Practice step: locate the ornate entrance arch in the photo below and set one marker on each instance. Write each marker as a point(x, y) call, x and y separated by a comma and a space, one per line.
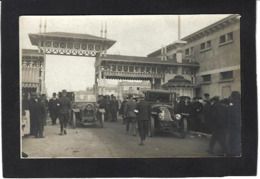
point(107, 66)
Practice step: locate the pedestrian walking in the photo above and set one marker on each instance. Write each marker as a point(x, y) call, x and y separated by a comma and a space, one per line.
point(114, 108)
point(219, 121)
point(53, 108)
point(64, 105)
point(143, 117)
point(234, 127)
point(121, 110)
point(130, 115)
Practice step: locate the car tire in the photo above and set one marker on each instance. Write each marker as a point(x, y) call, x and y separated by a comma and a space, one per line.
point(73, 120)
point(184, 128)
point(151, 127)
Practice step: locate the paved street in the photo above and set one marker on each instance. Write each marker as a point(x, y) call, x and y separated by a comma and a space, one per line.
point(111, 142)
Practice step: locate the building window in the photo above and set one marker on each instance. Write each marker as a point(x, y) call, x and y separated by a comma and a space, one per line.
point(187, 51)
point(208, 44)
point(205, 45)
point(227, 75)
point(120, 68)
point(226, 38)
point(138, 88)
point(202, 46)
point(174, 56)
point(206, 78)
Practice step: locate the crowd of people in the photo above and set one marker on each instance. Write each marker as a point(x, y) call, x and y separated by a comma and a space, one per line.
point(219, 117)
point(35, 108)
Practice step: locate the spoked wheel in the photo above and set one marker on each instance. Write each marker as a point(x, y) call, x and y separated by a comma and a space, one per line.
point(183, 128)
point(73, 120)
point(151, 127)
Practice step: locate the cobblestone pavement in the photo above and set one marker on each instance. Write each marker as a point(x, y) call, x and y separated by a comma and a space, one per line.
point(112, 142)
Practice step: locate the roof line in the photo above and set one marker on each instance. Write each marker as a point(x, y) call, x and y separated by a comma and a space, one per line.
point(201, 30)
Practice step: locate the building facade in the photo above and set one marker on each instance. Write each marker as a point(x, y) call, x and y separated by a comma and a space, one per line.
point(217, 49)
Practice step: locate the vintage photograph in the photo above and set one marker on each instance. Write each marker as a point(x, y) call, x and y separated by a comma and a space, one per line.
point(130, 86)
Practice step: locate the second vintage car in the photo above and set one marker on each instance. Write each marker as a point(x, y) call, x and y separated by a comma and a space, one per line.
point(84, 109)
point(162, 113)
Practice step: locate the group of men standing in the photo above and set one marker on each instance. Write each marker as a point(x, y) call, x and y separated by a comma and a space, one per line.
point(221, 118)
point(140, 112)
point(36, 106)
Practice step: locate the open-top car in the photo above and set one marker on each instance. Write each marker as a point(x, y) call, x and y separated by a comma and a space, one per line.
point(162, 113)
point(84, 109)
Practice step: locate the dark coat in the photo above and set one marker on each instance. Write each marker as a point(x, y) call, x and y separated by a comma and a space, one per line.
point(25, 104)
point(196, 108)
point(114, 105)
point(219, 116)
point(37, 110)
point(177, 107)
point(64, 104)
point(185, 107)
point(53, 107)
point(144, 110)
point(121, 111)
point(129, 109)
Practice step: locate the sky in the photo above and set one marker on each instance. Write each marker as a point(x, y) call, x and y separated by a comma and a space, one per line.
point(137, 35)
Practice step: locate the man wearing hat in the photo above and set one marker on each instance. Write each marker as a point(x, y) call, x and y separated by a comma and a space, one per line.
point(37, 113)
point(53, 108)
point(64, 112)
point(129, 114)
point(143, 117)
point(219, 122)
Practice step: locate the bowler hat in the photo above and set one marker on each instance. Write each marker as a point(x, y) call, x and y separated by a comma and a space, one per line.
point(64, 91)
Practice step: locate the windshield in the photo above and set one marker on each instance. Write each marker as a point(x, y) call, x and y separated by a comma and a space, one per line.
point(85, 97)
point(159, 97)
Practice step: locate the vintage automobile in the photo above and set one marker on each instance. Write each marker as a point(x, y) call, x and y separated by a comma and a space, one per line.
point(162, 113)
point(84, 109)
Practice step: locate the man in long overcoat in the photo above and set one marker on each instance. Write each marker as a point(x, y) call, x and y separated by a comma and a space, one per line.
point(219, 122)
point(64, 111)
point(143, 117)
point(130, 115)
point(42, 114)
point(114, 108)
point(53, 108)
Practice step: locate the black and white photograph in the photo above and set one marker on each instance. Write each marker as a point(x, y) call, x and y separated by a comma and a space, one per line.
point(130, 86)
point(136, 88)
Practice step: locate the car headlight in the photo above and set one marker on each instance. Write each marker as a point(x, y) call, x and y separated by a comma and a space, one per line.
point(178, 116)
